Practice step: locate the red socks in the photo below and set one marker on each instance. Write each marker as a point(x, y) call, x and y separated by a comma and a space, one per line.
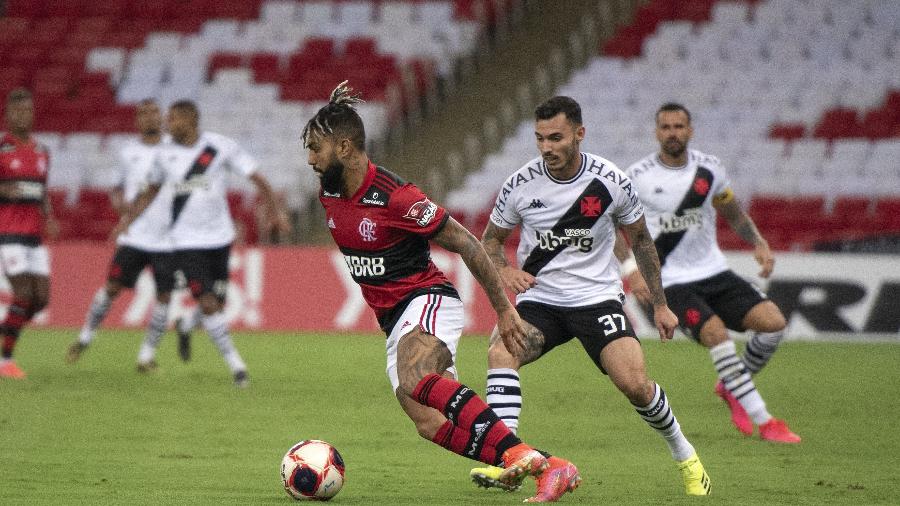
point(472, 429)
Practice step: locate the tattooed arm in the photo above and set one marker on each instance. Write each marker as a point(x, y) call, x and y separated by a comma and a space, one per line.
point(648, 264)
point(454, 237)
point(743, 225)
point(629, 270)
point(494, 241)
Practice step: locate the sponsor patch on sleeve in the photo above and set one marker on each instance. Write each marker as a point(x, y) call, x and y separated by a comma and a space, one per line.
point(422, 212)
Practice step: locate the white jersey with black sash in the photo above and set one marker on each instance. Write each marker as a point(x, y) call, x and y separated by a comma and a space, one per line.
point(678, 203)
point(198, 174)
point(568, 229)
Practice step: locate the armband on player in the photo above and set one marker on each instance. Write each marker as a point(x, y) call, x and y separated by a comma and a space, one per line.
point(724, 197)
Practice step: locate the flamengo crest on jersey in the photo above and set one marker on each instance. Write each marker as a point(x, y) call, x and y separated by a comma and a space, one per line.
point(383, 232)
point(198, 178)
point(568, 229)
point(150, 230)
point(678, 202)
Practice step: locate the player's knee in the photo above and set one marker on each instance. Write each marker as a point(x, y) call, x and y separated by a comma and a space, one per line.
point(499, 357)
point(774, 323)
point(765, 317)
point(638, 390)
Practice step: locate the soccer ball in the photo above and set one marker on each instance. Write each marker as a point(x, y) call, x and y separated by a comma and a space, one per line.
point(312, 470)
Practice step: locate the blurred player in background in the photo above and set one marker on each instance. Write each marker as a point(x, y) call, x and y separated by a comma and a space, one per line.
point(145, 243)
point(196, 166)
point(25, 215)
point(382, 225)
point(682, 190)
point(568, 204)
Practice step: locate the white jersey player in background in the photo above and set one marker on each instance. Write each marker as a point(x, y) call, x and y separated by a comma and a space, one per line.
point(568, 205)
point(196, 165)
point(682, 190)
point(145, 242)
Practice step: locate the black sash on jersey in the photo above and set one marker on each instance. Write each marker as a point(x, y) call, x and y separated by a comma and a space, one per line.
point(199, 167)
point(667, 241)
point(583, 213)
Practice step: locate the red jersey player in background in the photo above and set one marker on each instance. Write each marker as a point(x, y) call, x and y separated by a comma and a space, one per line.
point(382, 225)
point(24, 214)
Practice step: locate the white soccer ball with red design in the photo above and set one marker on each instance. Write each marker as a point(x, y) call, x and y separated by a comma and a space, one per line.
point(312, 470)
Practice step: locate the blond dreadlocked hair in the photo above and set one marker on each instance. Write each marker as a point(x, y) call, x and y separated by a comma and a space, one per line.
point(338, 118)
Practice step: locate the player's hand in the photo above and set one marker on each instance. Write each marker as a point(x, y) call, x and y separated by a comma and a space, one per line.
point(765, 259)
point(665, 321)
point(512, 331)
point(639, 287)
point(516, 280)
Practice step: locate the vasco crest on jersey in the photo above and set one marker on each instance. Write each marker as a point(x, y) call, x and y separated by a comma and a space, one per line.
point(422, 212)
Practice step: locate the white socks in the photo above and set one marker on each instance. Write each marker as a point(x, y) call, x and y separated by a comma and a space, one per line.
point(216, 326)
point(660, 417)
point(736, 378)
point(96, 313)
point(504, 396)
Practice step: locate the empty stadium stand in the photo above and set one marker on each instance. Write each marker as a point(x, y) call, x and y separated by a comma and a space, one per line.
point(799, 98)
point(257, 69)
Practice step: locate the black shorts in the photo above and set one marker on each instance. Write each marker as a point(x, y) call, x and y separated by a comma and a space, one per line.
point(726, 295)
point(128, 262)
point(205, 270)
point(594, 326)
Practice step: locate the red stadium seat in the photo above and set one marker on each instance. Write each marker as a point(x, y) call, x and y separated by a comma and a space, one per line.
point(318, 47)
point(93, 24)
point(223, 61)
point(25, 8)
point(787, 131)
point(266, 67)
point(850, 214)
point(887, 214)
point(838, 123)
point(362, 48)
point(879, 124)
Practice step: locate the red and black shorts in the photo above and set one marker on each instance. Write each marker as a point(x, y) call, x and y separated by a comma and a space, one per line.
point(128, 262)
point(594, 326)
point(205, 270)
point(726, 295)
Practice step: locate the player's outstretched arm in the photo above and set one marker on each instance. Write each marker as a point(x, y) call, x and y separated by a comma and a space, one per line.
point(648, 263)
point(494, 241)
point(743, 225)
point(454, 237)
point(140, 203)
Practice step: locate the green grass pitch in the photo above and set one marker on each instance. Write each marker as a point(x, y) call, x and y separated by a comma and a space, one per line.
point(99, 433)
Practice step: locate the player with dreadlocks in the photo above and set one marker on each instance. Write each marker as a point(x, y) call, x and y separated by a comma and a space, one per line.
point(383, 226)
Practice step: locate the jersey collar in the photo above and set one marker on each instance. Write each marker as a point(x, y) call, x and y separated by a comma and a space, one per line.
point(571, 179)
point(669, 167)
point(366, 182)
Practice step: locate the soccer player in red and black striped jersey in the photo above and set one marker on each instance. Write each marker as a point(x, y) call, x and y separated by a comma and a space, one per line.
point(24, 215)
point(383, 226)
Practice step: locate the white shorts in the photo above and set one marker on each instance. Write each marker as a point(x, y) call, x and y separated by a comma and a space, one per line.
point(438, 315)
point(18, 259)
